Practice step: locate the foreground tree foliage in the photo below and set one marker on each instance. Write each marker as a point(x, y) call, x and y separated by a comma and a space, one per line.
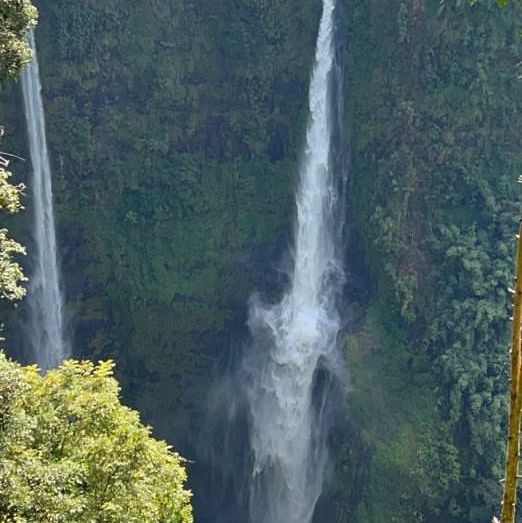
point(72, 452)
point(11, 275)
point(16, 18)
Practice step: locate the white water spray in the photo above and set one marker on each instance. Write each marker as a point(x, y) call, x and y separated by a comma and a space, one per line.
point(46, 328)
point(290, 452)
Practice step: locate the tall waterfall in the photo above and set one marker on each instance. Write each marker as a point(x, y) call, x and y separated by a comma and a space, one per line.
point(46, 325)
point(299, 334)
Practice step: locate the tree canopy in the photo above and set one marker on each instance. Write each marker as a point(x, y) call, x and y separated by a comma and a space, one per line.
point(72, 452)
point(16, 18)
point(11, 275)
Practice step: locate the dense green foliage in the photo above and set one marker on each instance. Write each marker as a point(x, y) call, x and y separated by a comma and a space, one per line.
point(16, 17)
point(174, 130)
point(69, 450)
point(11, 275)
point(437, 150)
point(411, 467)
point(72, 452)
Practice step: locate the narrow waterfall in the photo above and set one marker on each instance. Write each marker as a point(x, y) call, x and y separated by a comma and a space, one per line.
point(46, 325)
point(298, 335)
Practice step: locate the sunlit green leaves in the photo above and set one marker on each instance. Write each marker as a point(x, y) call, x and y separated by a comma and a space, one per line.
point(11, 274)
point(72, 452)
point(16, 17)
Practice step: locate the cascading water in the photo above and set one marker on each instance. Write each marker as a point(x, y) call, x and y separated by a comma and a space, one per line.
point(46, 325)
point(300, 333)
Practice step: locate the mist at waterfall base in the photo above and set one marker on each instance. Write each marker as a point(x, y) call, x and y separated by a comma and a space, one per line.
point(44, 329)
point(273, 413)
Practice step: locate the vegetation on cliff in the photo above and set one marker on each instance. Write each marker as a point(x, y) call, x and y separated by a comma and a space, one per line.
point(436, 147)
point(69, 451)
point(175, 130)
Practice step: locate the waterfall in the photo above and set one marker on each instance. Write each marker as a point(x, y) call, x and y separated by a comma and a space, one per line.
point(45, 306)
point(295, 337)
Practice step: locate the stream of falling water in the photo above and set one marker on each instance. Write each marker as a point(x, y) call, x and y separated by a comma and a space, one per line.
point(45, 304)
point(289, 448)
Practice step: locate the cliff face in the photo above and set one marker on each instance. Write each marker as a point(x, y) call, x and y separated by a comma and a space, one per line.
point(175, 130)
point(436, 152)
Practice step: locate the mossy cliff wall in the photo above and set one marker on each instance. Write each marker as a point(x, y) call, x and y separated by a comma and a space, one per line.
point(434, 103)
point(175, 129)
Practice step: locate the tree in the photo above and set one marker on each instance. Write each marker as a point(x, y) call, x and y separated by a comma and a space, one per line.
point(16, 18)
point(11, 275)
point(72, 452)
point(69, 450)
